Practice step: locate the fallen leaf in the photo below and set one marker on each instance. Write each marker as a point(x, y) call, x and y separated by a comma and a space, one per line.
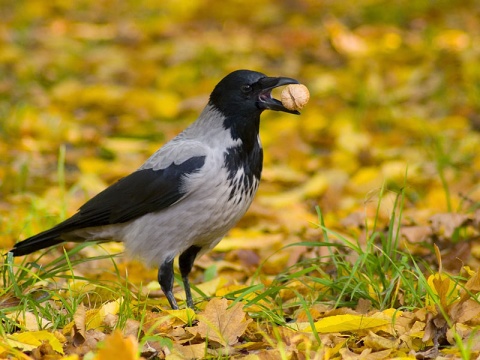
point(444, 287)
point(95, 318)
point(363, 306)
point(27, 341)
point(92, 338)
point(220, 323)
point(30, 321)
point(194, 351)
point(366, 354)
point(155, 323)
point(119, 348)
point(186, 315)
point(8, 301)
point(341, 323)
point(79, 325)
point(416, 234)
point(45, 351)
point(449, 222)
point(376, 342)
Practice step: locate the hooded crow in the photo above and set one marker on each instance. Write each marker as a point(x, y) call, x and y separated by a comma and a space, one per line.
point(188, 194)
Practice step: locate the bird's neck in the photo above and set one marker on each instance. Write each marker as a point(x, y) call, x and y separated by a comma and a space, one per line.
point(244, 129)
point(214, 127)
point(248, 153)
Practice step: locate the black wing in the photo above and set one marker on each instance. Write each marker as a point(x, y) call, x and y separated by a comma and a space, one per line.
point(137, 194)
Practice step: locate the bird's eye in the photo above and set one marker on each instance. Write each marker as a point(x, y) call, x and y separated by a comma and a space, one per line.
point(246, 89)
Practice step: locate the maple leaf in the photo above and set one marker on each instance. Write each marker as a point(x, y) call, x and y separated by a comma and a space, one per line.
point(221, 324)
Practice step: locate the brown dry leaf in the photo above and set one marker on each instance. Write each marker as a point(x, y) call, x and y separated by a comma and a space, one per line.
point(8, 300)
point(195, 351)
point(272, 354)
point(376, 342)
point(220, 324)
point(473, 284)
point(45, 352)
point(79, 330)
point(156, 323)
point(413, 335)
point(467, 333)
point(130, 328)
point(110, 321)
point(454, 257)
point(315, 311)
point(416, 234)
point(449, 222)
point(464, 311)
point(363, 306)
point(435, 329)
point(180, 335)
point(366, 354)
point(91, 340)
point(293, 340)
point(119, 348)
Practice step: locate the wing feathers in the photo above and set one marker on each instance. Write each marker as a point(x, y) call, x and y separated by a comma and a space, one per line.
point(137, 194)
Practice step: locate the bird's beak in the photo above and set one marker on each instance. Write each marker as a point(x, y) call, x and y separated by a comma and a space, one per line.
point(265, 100)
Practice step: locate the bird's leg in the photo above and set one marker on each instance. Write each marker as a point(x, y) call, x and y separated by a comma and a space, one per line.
point(185, 262)
point(165, 279)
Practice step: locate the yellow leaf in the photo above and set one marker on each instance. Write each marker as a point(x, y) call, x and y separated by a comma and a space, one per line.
point(316, 185)
point(366, 179)
point(453, 40)
point(94, 318)
point(185, 315)
point(9, 349)
point(340, 323)
point(397, 170)
point(28, 341)
point(79, 287)
point(92, 165)
point(119, 348)
point(353, 141)
point(444, 287)
point(231, 288)
point(248, 239)
point(208, 288)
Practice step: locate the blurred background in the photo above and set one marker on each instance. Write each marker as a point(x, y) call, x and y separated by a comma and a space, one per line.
point(89, 89)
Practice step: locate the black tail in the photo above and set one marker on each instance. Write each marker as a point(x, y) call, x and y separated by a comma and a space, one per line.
point(40, 241)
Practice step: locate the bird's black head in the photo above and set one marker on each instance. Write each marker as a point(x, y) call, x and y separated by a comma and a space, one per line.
point(248, 93)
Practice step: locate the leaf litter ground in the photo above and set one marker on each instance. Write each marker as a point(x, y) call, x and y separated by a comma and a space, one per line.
point(387, 148)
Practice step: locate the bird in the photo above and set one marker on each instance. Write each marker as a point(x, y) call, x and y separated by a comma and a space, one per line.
point(186, 196)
